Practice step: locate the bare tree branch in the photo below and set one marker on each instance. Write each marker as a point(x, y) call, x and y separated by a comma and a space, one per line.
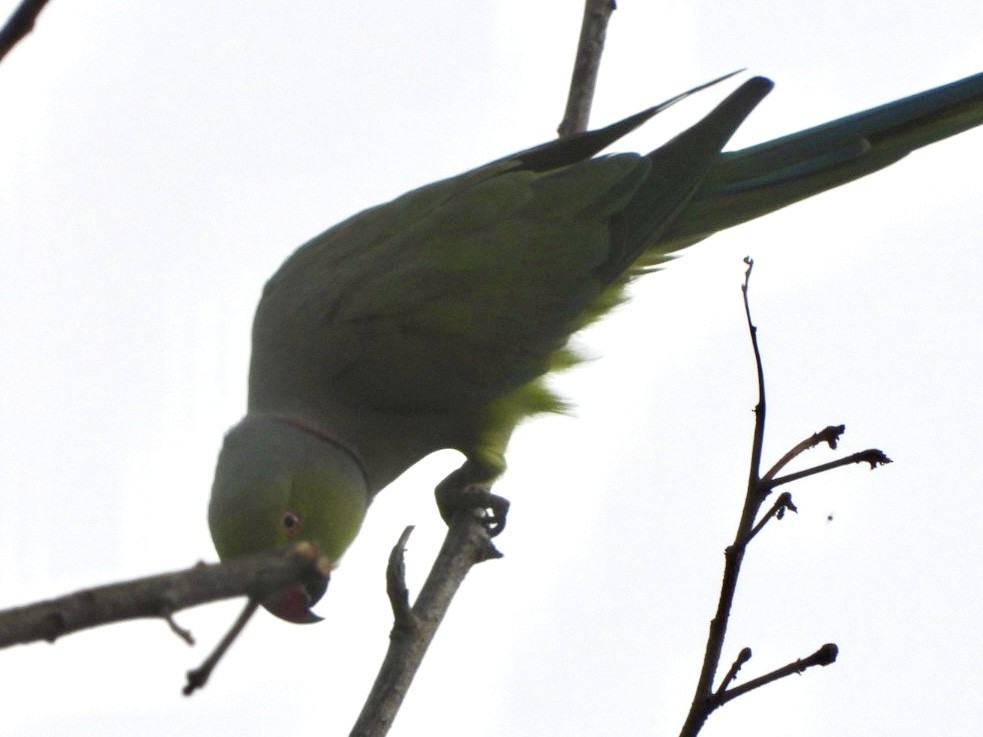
point(702, 704)
point(783, 502)
point(705, 700)
point(20, 23)
point(585, 66)
point(872, 456)
point(466, 544)
point(256, 576)
point(823, 656)
point(198, 677)
point(829, 435)
point(742, 657)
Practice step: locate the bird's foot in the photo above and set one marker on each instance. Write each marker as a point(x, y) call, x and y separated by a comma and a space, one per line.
point(455, 494)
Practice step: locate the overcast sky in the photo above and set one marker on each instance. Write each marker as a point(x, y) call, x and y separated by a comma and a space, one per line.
point(159, 160)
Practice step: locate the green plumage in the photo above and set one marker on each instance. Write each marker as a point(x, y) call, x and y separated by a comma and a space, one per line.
point(432, 321)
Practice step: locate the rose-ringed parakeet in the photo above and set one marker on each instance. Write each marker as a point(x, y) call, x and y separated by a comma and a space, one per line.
point(431, 321)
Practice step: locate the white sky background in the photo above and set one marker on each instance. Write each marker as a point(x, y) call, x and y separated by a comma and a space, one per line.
point(160, 160)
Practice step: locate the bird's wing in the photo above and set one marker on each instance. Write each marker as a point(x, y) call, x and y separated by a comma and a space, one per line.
point(464, 290)
point(448, 296)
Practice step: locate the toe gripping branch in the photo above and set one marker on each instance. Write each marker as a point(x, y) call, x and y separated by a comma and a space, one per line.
point(457, 493)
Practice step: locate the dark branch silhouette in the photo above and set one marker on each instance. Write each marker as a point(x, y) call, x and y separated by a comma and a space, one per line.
point(705, 699)
point(198, 677)
point(20, 23)
point(466, 544)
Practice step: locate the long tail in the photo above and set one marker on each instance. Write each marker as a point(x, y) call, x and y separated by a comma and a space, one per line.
point(742, 185)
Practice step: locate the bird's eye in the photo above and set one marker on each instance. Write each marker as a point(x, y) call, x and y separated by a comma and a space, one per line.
point(290, 523)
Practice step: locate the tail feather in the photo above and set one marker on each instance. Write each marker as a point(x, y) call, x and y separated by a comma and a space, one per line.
point(746, 184)
point(676, 170)
point(580, 146)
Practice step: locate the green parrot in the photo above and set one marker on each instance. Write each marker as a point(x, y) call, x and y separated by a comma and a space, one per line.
point(432, 321)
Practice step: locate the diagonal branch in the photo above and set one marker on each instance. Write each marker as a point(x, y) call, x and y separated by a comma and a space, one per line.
point(586, 65)
point(20, 23)
point(466, 544)
point(783, 502)
point(198, 677)
point(829, 435)
point(823, 656)
point(872, 456)
point(742, 657)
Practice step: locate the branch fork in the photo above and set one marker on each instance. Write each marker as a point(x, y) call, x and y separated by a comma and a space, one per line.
point(759, 487)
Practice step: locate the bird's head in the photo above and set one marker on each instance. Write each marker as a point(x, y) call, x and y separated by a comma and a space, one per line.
point(279, 481)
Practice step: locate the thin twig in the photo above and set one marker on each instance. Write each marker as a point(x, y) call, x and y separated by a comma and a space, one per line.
point(705, 701)
point(399, 595)
point(872, 456)
point(181, 632)
point(829, 435)
point(760, 409)
point(703, 704)
point(735, 668)
point(783, 502)
point(20, 23)
point(580, 98)
point(823, 656)
point(198, 677)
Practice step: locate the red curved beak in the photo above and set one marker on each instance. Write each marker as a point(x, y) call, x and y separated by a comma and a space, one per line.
point(294, 604)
